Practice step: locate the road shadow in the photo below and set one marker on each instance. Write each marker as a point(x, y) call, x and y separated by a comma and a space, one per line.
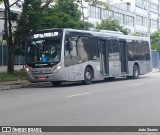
point(79, 84)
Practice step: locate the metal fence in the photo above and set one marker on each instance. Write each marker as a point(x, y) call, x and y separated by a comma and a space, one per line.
point(18, 59)
point(155, 59)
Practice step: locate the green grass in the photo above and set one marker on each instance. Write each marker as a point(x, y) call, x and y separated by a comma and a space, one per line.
point(5, 77)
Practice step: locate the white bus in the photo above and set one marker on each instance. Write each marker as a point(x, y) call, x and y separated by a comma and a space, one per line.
point(59, 55)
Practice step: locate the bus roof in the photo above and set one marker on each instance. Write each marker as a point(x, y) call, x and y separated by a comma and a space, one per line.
point(102, 33)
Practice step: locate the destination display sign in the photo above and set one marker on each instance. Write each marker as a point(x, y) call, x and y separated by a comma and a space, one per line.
point(43, 35)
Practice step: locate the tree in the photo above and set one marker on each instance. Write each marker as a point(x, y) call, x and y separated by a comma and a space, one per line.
point(111, 24)
point(65, 14)
point(32, 18)
point(137, 34)
point(155, 40)
point(99, 2)
point(26, 23)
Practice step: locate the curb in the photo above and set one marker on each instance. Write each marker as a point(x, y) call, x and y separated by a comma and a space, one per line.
point(10, 87)
point(31, 85)
point(14, 87)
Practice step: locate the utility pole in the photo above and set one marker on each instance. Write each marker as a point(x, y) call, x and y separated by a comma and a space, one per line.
point(81, 4)
point(148, 24)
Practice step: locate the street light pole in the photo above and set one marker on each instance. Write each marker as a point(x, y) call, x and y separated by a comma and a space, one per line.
point(148, 19)
point(83, 15)
point(80, 1)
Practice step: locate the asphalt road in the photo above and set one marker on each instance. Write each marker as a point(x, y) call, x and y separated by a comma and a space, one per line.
point(120, 102)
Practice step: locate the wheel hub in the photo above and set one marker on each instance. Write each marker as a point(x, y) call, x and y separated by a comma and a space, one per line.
point(88, 75)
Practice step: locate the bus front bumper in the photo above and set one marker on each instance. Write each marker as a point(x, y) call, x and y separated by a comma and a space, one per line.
point(42, 78)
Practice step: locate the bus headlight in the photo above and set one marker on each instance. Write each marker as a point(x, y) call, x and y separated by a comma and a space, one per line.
point(58, 68)
point(27, 69)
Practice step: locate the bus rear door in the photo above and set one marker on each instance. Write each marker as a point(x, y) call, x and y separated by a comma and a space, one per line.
point(114, 57)
point(103, 54)
point(123, 56)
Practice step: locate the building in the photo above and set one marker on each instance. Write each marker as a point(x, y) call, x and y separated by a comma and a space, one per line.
point(14, 9)
point(133, 14)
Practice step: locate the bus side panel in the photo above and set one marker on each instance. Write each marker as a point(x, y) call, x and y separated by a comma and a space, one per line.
point(130, 67)
point(114, 67)
point(76, 72)
point(144, 67)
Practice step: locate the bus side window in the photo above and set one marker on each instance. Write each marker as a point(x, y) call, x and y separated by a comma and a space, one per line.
point(93, 48)
point(146, 50)
point(82, 44)
point(70, 47)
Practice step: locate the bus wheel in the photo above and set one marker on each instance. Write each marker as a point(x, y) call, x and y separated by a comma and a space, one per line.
point(135, 72)
point(88, 76)
point(56, 83)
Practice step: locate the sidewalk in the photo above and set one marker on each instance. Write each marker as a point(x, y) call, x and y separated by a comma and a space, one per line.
point(26, 84)
point(21, 84)
point(154, 70)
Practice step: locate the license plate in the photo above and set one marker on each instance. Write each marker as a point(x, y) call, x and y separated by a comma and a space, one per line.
point(42, 78)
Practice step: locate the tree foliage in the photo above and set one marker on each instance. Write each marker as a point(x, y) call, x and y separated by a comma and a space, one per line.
point(155, 41)
point(36, 15)
point(136, 34)
point(30, 19)
point(27, 22)
point(98, 2)
point(65, 14)
point(111, 24)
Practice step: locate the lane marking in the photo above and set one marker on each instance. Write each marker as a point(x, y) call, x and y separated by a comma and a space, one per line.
point(135, 85)
point(78, 95)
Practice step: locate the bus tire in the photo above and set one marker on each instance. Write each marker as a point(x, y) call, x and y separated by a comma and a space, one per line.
point(56, 83)
point(88, 76)
point(135, 72)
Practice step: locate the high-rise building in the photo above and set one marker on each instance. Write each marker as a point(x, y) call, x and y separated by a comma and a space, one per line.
point(132, 14)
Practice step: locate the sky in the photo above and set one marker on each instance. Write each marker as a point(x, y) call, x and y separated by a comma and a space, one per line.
point(15, 8)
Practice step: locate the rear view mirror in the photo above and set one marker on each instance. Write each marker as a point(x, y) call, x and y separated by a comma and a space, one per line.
point(28, 50)
point(69, 46)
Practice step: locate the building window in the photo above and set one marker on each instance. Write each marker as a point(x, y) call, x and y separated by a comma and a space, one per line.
point(154, 24)
point(106, 13)
point(128, 7)
point(145, 3)
point(153, 6)
point(145, 21)
point(95, 12)
point(129, 20)
point(140, 1)
point(1, 14)
point(139, 20)
point(123, 6)
point(119, 17)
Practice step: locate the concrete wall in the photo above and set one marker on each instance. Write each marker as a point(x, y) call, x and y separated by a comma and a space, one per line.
point(16, 68)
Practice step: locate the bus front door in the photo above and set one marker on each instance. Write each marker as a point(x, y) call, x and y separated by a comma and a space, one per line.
point(103, 54)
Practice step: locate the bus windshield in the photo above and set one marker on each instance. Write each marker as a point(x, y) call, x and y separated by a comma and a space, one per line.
point(44, 50)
